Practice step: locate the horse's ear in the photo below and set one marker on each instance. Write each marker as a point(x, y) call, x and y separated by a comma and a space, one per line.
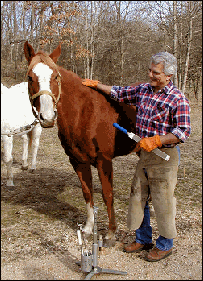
point(28, 51)
point(56, 53)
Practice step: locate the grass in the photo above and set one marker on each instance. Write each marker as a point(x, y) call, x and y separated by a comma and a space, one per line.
point(55, 190)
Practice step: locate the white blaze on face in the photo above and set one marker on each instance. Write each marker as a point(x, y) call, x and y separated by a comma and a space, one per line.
point(43, 72)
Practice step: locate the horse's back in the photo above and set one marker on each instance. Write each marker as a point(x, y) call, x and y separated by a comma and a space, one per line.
point(82, 117)
point(4, 89)
point(16, 109)
point(86, 118)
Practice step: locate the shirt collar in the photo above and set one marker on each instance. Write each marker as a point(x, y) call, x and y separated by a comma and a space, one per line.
point(166, 89)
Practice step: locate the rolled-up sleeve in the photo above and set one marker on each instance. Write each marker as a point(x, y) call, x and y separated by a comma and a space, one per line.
point(181, 118)
point(122, 94)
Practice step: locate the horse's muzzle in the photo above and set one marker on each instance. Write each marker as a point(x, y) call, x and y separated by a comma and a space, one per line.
point(47, 123)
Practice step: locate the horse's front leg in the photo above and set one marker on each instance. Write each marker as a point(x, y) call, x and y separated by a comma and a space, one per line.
point(25, 152)
point(105, 171)
point(85, 175)
point(8, 159)
point(35, 138)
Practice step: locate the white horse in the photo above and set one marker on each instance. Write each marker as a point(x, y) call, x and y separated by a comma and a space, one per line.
point(17, 119)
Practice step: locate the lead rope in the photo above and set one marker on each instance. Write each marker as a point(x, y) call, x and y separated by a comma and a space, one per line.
point(22, 130)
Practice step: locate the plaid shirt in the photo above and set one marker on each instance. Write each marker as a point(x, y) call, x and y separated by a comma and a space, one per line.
point(166, 111)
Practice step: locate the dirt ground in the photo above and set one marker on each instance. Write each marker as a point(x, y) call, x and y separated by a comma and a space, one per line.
point(40, 217)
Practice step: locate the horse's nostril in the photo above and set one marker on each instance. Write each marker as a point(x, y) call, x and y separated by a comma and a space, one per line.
point(41, 117)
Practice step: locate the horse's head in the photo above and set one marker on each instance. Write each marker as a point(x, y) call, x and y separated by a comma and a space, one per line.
point(44, 84)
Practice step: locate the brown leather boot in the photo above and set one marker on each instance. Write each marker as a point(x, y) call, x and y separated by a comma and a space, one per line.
point(157, 255)
point(136, 247)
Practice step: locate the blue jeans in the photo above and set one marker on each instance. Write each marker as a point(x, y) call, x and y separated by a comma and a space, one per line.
point(178, 149)
point(144, 233)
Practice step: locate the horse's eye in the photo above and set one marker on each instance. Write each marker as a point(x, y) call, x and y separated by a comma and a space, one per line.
point(29, 78)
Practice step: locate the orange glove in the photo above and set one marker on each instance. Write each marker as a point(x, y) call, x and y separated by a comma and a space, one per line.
point(90, 83)
point(149, 144)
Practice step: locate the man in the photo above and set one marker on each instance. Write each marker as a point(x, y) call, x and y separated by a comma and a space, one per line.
point(162, 120)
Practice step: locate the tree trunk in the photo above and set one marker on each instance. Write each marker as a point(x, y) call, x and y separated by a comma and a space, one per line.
point(15, 39)
point(188, 52)
point(93, 13)
point(180, 48)
point(175, 36)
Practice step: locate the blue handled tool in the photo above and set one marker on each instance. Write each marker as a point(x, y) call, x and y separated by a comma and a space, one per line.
point(136, 138)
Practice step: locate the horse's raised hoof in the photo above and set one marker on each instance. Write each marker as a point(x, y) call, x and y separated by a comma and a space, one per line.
point(108, 243)
point(87, 230)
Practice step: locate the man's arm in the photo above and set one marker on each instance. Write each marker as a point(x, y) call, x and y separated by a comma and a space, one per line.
point(95, 84)
point(151, 143)
point(120, 94)
point(104, 88)
point(169, 138)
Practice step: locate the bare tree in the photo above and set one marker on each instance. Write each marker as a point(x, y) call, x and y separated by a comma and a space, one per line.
point(107, 40)
point(190, 10)
point(175, 37)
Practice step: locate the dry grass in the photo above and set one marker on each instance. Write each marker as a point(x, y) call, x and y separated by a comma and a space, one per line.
point(39, 217)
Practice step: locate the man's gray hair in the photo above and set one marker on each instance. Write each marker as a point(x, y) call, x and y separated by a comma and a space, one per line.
point(168, 60)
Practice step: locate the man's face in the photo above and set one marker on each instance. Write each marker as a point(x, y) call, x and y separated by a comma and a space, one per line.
point(158, 78)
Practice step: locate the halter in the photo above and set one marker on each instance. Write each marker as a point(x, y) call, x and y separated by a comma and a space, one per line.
point(43, 92)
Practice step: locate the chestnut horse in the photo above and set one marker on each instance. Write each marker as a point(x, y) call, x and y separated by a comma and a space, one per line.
point(85, 125)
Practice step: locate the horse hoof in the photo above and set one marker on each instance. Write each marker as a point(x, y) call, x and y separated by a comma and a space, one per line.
point(9, 184)
point(10, 187)
point(87, 230)
point(108, 243)
point(32, 170)
point(24, 168)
